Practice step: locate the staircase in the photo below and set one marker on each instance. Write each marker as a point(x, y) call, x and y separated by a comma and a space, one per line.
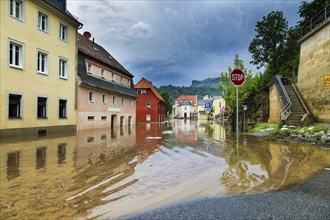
point(297, 109)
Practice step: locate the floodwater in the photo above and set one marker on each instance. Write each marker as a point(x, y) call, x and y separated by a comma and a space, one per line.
point(98, 174)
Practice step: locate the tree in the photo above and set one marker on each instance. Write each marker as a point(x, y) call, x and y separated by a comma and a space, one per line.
point(267, 46)
point(168, 101)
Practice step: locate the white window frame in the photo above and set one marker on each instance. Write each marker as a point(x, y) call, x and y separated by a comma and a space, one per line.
point(142, 91)
point(148, 117)
point(12, 55)
point(148, 105)
point(102, 73)
point(91, 97)
point(114, 101)
point(63, 32)
point(122, 102)
point(89, 67)
point(104, 99)
point(63, 70)
point(66, 109)
point(13, 9)
point(44, 64)
point(43, 25)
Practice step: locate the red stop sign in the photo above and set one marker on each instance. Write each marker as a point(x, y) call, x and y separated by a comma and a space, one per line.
point(237, 77)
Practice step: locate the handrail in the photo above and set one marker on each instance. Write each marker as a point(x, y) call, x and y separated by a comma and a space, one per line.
point(315, 20)
point(285, 112)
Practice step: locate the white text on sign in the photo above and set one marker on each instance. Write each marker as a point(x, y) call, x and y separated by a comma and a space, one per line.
point(237, 77)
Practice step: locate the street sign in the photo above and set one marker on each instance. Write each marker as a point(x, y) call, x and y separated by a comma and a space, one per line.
point(244, 107)
point(223, 110)
point(237, 77)
point(208, 105)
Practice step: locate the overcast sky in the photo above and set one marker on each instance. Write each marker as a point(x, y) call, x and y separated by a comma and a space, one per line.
point(175, 42)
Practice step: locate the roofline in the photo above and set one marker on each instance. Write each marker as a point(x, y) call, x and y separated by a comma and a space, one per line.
point(86, 85)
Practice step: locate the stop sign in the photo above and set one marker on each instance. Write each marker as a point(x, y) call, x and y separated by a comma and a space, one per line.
point(237, 77)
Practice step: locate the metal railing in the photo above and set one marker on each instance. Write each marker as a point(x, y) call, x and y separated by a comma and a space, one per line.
point(278, 82)
point(315, 21)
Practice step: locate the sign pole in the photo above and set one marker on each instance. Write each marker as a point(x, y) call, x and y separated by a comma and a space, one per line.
point(237, 111)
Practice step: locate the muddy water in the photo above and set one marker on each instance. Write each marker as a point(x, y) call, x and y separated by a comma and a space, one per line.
point(103, 173)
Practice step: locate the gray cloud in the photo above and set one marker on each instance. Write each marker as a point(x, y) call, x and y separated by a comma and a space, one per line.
point(176, 42)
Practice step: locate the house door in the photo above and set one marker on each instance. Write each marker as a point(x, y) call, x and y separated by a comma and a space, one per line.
point(113, 125)
point(185, 115)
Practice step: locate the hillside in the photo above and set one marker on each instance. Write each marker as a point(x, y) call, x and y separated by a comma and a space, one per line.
point(208, 86)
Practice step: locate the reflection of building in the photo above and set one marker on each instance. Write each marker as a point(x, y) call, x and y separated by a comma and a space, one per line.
point(38, 67)
point(105, 92)
point(186, 130)
point(147, 139)
point(185, 106)
point(150, 106)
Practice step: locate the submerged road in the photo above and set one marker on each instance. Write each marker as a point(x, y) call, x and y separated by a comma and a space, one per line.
point(309, 200)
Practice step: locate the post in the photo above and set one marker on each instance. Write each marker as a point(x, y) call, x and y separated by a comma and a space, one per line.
point(237, 111)
point(244, 120)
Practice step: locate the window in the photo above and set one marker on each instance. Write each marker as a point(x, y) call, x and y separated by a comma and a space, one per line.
point(122, 102)
point(63, 69)
point(103, 118)
point(114, 101)
point(130, 103)
point(63, 32)
point(42, 107)
point(89, 69)
point(15, 106)
point(16, 9)
point(62, 108)
point(148, 105)
point(121, 80)
point(104, 99)
point(102, 73)
point(113, 77)
point(129, 121)
point(42, 65)
point(43, 22)
point(15, 54)
point(90, 118)
point(91, 97)
point(148, 117)
point(142, 91)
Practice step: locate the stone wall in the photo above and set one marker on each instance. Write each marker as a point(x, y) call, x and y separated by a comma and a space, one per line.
point(275, 106)
point(314, 64)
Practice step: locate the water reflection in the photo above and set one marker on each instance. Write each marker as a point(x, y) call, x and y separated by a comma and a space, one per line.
point(97, 174)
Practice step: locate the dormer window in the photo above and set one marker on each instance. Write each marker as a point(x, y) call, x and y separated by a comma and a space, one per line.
point(142, 91)
point(89, 69)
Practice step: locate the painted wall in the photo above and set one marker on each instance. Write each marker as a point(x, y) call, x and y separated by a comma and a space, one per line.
point(26, 81)
point(217, 105)
point(314, 64)
point(142, 111)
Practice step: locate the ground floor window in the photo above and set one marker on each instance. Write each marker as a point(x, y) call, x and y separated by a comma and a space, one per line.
point(148, 118)
point(62, 108)
point(42, 107)
point(15, 106)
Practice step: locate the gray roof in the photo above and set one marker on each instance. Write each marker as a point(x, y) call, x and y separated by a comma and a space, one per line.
point(99, 83)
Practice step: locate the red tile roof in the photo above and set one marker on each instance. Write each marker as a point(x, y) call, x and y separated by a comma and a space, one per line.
point(193, 98)
point(146, 84)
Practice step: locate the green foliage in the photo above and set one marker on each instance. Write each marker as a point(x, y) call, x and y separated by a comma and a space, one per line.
point(169, 101)
point(265, 126)
point(244, 92)
point(268, 44)
point(309, 9)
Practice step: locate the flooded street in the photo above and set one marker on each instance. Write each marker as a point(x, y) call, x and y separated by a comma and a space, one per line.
point(110, 173)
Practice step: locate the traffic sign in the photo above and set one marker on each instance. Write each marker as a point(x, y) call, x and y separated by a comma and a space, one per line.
point(237, 77)
point(207, 105)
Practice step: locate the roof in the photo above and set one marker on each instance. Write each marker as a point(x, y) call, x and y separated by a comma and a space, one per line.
point(146, 84)
point(99, 83)
point(97, 52)
point(193, 98)
point(204, 101)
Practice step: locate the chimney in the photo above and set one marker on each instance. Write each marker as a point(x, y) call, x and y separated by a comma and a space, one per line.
point(87, 34)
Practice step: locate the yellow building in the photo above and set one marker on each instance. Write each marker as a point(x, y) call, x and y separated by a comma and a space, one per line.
point(38, 67)
point(218, 104)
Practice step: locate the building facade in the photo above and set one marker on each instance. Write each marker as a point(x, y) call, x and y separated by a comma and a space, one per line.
point(105, 90)
point(150, 106)
point(38, 67)
point(186, 107)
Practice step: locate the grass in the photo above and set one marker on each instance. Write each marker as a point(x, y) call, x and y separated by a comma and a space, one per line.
point(265, 127)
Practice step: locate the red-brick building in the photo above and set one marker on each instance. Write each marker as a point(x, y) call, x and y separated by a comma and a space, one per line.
point(150, 106)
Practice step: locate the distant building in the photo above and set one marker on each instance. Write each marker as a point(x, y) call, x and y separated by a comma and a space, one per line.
point(38, 67)
point(204, 107)
point(150, 106)
point(105, 91)
point(185, 107)
point(218, 104)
